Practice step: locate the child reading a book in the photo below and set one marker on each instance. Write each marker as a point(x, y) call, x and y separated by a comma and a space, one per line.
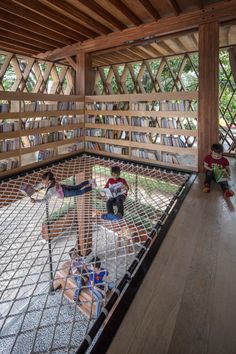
point(53, 188)
point(217, 168)
point(116, 190)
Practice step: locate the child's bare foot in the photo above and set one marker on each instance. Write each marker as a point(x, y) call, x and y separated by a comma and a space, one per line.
point(228, 193)
point(206, 189)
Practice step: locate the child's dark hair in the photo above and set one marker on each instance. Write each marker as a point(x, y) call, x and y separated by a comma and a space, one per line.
point(50, 177)
point(218, 148)
point(115, 169)
point(96, 261)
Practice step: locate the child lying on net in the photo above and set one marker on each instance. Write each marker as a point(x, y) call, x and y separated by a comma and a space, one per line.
point(53, 188)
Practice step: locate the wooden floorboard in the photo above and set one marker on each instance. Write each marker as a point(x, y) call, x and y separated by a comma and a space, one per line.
point(187, 302)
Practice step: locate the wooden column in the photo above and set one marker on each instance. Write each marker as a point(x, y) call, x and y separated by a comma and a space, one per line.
point(85, 74)
point(208, 88)
point(84, 86)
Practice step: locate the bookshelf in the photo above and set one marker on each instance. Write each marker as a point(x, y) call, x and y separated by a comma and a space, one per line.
point(38, 128)
point(157, 128)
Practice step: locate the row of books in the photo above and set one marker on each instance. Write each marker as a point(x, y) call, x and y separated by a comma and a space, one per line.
point(38, 139)
point(9, 145)
point(114, 149)
point(101, 106)
point(60, 106)
point(145, 154)
point(109, 134)
point(142, 137)
point(75, 147)
point(45, 154)
point(173, 141)
point(9, 126)
point(169, 158)
point(50, 122)
point(181, 105)
point(8, 164)
point(114, 120)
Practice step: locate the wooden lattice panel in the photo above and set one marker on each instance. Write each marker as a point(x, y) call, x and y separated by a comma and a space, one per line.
point(25, 74)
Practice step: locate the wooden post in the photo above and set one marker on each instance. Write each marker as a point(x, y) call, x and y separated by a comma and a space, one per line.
point(85, 76)
point(208, 89)
point(84, 215)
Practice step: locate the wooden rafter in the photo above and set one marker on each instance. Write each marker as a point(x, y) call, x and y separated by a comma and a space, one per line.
point(29, 15)
point(40, 9)
point(175, 6)
point(166, 26)
point(107, 16)
point(28, 35)
point(20, 22)
point(125, 10)
point(14, 37)
point(150, 9)
point(80, 15)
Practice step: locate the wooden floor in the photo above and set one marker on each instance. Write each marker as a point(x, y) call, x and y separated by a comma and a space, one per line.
point(187, 302)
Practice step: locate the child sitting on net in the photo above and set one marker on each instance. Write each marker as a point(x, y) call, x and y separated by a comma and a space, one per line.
point(98, 283)
point(80, 272)
point(118, 190)
point(217, 168)
point(53, 188)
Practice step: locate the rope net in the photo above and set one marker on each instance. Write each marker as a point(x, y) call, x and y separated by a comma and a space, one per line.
point(49, 250)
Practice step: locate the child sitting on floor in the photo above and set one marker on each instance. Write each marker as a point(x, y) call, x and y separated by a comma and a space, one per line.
point(98, 283)
point(53, 188)
point(213, 164)
point(80, 272)
point(119, 189)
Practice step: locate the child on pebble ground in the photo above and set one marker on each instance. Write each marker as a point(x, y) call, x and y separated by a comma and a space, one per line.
point(53, 188)
point(213, 161)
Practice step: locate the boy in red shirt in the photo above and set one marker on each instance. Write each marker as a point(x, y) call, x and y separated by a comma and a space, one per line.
point(119, 189)
point(216, 160)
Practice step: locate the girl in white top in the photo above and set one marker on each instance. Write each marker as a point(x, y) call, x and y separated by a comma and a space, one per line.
point(53, 188)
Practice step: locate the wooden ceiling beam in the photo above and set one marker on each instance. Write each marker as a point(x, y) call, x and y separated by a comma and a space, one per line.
point(18, 45)
point(15, 49)
point(125, 10)
point(80, 15)
point(107, 16)
point(72, 63)
point(11, 28)
point(45, 11)
point(150, 9)
point(175, 6)
point(19, 38)
point(34, 28)
point(29, 15)
point(21, 44)
point(166, 26)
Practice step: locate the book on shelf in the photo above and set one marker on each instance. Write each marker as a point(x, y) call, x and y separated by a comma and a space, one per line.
point(169, 158)
point(45, 154)
point(9, 126)
point(9, 145)
point(146, 154)
point(8, 164)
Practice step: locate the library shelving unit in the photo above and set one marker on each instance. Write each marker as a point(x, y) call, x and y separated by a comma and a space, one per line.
point(38, 128)
point(156, 128)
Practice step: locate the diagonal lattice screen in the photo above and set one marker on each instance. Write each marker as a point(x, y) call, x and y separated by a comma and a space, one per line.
point(37, 310)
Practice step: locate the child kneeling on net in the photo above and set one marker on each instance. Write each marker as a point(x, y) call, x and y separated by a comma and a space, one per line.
point(217, 168)
point(98, 283)
point(53, 188)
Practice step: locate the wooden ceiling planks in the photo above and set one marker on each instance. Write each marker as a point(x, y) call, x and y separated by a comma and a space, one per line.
point(67, 8)
point(46, 12)
point(46, 25)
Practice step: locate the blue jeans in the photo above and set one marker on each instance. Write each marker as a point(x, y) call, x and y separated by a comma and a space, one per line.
point(79, 283)
point(72, 191)
point(98, 297)
point(209, 177)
